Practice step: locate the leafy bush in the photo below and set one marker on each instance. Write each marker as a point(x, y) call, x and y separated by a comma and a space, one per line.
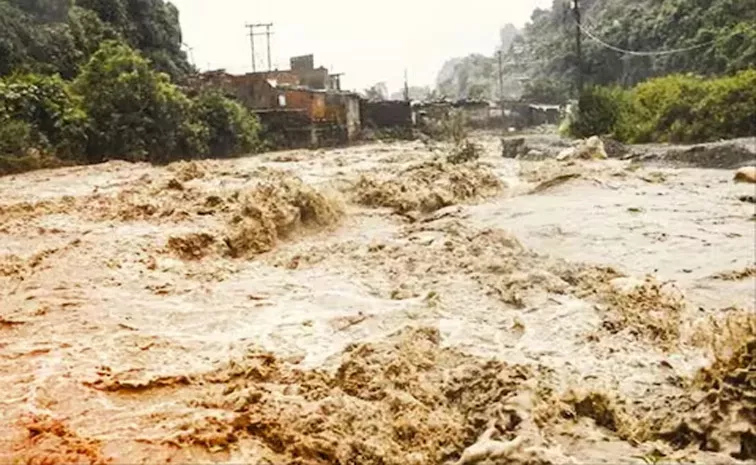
point(118, 107)
point(666, 106)
point(232, 129)
point(17, 152)
point(678, 108)
point(15, 137)
point(52, 112)
point(136, 113)
point(118, 104)
point(602, 111)
point(548, 91)
point(727, 110)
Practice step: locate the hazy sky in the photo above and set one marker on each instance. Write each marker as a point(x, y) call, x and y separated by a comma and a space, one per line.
point(368, 43)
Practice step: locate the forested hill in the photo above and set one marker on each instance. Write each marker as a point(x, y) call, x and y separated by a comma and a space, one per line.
point(724, 32)
point(58, 36)
point(474, 76)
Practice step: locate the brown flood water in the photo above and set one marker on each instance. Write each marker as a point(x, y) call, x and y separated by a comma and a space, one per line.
point(377, 305)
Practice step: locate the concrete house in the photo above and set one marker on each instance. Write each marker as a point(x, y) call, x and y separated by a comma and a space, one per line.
point(303, 106)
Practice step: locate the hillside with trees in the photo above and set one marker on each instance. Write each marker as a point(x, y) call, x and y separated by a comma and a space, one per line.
point(719, 35)
point(706, 37)
point(59, 36)
point(475, 76)
point(88, 80)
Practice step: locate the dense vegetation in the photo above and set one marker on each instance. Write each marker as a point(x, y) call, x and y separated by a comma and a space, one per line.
point(675, 108)
point(59, 36)
point(91, 80)
point(724, 30)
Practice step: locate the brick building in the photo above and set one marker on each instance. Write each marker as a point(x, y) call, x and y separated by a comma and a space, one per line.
point(324, 114)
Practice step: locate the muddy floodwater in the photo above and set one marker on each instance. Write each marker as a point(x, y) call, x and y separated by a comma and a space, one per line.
point(377, 305)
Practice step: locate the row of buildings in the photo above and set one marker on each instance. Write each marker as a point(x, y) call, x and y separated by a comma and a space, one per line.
point(305, 106)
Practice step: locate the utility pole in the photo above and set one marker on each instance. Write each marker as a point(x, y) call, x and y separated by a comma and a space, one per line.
point(190, 49)
point(336, 83)
point(501, 80)
point(252, 35)
point(501, 89)
point(406, 87)
point(252, 45)
point(578, 47)
point(267, 39)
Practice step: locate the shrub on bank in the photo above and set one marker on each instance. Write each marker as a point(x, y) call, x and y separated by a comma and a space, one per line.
point(666, 108)
point(728, 108)
point(603, 110)
point(678, 108)
point(232, 129)
point(118, 107)
point(47, 110)
point(136, 113)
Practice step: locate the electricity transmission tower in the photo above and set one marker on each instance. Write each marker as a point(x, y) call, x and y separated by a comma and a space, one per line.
point(253, 34)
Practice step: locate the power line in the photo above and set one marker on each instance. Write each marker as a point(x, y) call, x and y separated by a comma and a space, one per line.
point(615, 48)
point(591, 36)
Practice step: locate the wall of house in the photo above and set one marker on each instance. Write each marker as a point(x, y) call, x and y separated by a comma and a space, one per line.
point(287, 128)
point(312, 102)
point(252, 90)
point(301, 63)
point(476, 115)
point(257, 93)
point(314, 78)
point(343, 109)
point(386, 114)
point(432, 111)
point(353, 122)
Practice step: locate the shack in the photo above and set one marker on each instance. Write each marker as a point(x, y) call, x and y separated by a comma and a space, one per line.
point(324, 118)
point(386, 114)
point(477, 113)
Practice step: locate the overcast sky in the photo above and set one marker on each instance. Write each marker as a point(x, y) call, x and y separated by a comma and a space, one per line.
point(368, 43)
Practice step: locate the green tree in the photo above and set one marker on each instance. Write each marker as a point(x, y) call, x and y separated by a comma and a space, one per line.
point(232, 130)
point(136, 113)
point(88, 30)
point(15, 33)
point(720, 36)
point(547, 91)
point(44, 10)
point(56, 36)
point(51, 111)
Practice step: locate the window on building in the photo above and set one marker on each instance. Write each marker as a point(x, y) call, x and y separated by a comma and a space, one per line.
point(281, 100)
